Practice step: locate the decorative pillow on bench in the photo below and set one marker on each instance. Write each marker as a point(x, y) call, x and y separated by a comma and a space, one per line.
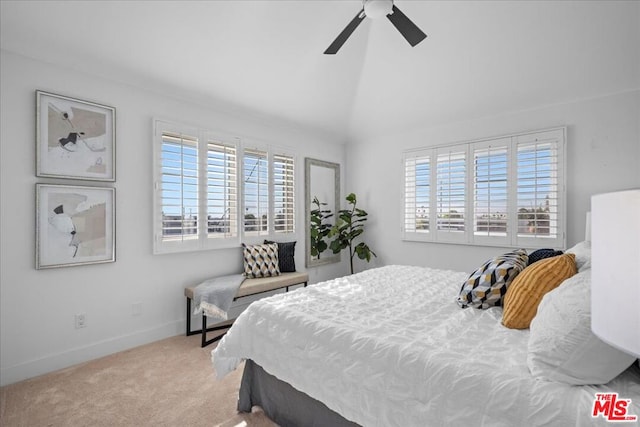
point(286, 256)
point(261, 260)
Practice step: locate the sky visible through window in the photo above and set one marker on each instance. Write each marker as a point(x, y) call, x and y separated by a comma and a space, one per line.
point(179, 160)
point(256, 192)
point(180, 187)
point(221, 189)
point(535, 188)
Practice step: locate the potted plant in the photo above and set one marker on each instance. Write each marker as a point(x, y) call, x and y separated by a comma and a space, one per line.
point(349, 225)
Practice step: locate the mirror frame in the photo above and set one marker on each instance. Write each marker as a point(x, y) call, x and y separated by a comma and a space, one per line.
point(308, 162)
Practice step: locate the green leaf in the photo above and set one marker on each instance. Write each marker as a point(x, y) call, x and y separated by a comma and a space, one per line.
point(355, 233)
point(336, 246)
point(351, 198)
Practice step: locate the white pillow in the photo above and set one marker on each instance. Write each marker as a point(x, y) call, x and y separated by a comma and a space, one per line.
point(561, 345)
point(582, 251)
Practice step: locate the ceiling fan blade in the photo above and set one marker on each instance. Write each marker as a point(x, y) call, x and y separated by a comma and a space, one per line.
point(408, 29)
point(344, 35)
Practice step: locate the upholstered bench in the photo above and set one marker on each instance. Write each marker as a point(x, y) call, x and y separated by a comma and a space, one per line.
point(247, 288)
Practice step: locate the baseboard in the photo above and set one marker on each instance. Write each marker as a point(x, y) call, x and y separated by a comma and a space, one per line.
point(54, 362)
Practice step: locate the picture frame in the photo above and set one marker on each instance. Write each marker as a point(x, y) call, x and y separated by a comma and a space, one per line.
point(75, 139)
point(75, 225)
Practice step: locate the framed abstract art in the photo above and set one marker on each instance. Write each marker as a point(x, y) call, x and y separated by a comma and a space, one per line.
point(75, 225)
point(75, 139)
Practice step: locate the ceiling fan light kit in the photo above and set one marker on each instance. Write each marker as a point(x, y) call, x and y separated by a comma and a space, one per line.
point(376, 9)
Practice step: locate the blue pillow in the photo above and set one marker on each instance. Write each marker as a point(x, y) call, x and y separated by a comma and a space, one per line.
point(542, 254)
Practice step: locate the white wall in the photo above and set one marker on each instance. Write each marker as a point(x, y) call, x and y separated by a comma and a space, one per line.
point(603, 151)
point(37, 332)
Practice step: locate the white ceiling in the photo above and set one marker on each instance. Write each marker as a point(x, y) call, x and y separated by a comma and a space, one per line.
point(480, 58)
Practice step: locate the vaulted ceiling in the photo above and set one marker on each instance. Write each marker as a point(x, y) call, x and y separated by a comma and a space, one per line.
point(480, 58)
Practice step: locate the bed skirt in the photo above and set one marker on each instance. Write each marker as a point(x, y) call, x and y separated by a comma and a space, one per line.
point(282, 403)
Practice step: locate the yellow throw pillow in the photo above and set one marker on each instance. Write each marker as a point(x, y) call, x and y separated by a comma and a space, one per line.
point(527, 289)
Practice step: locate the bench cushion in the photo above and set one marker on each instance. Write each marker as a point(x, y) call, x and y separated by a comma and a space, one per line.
point(263, 284)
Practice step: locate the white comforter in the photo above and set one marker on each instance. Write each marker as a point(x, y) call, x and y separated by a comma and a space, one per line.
point(390, 347)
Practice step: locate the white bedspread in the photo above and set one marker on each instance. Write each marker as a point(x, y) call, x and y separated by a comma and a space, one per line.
point(390, 347)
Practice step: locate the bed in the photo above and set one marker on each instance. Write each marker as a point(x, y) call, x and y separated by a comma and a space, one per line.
point(390, 347)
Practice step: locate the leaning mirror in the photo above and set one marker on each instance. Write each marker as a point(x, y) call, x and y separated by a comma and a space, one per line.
point(322, 200)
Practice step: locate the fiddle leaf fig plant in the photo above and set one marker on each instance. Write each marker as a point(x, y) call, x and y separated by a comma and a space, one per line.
point(319, 229)
point(349, 226)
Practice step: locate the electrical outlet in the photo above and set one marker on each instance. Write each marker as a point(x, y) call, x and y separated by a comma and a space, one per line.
point(136, 309)
point(81, 320)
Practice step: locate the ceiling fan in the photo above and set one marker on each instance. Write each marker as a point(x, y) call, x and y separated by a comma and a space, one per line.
point(376, 9)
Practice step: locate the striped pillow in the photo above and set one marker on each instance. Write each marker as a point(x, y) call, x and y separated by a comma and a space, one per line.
point(526, 291)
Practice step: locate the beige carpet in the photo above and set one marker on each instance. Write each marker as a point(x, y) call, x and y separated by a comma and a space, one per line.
point(166, 383)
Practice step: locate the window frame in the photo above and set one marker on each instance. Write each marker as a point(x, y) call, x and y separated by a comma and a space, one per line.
point(556, 137)
point(203, 241)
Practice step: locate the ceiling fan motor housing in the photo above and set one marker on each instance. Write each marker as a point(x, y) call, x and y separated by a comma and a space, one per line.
point(377, 8)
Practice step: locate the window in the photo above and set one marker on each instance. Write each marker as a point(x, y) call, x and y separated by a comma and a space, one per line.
point(450, 193)
point(179, 186)
point(283, 193)
point(210, 192)
point(221, 192)
point(256, 192)
point(539, 186)
point(506, 191)
point(490, 189)
point(417, 190)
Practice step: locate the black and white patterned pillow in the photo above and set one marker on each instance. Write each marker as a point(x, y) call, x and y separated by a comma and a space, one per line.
point(487, 286)
point(286, 256)
point(261, 260)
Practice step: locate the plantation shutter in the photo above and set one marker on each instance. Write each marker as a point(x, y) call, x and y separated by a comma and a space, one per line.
point(491, 190)
point(212, 191)
point(256, 192)
point(417, 195)
point(451, 193)
point(505, 191)
point(222, 203)
point(178, 187)
point(283, 193)
point(539, 185)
